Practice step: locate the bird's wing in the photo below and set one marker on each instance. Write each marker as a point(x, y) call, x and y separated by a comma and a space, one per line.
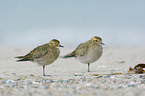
point(36, 53)
point(80, 50)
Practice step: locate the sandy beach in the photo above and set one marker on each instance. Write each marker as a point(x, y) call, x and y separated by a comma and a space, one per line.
point(69, 77)
point(26, 24)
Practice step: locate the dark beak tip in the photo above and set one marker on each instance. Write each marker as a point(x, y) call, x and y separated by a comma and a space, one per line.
point(102, 43)
point(61, 46)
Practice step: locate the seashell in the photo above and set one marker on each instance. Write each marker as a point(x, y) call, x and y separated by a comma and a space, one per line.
point(138, 69)
point(142, 65)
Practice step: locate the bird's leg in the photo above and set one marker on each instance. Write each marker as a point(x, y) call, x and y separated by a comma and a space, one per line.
point(88, 67)
point(43, 70)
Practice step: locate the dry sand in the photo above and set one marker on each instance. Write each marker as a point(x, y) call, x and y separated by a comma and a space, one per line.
point(25, 79)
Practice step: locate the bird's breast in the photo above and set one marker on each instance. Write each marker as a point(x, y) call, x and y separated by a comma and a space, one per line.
point(93, 54)
point(49, 58)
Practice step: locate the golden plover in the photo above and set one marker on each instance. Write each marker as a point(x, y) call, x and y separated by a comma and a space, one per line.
point(89, 51)
point(43, 55)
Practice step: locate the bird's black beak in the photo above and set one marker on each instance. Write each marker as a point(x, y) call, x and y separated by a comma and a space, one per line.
point(102, 43)
point(61, 46)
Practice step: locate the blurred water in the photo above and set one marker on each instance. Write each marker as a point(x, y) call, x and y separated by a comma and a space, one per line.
point(71, 37)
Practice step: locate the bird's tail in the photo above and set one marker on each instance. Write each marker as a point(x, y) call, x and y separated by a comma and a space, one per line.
point(22, 58)
point(68, 56)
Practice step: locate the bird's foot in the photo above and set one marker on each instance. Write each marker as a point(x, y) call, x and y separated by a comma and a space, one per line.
point(46, 75)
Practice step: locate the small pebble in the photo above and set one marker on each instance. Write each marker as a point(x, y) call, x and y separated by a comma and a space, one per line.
point(112, 76)
point(42, 81)
point(49, 81)
point(130, 75)
point(13, 73)
point(84, 77)
point(10, 81)
point(2, 87)
point(37, 83)
point(140, 76)
point(65, 81)
point(106, 76)
point(132, 84)
point(121, 62)
point(143, 81)
point(46, 87)
point(71, 79)
point(78, 74)
point(29, 81)
point(88, 84)
point(97, 76)
point(3, 82)
point(35, 86)
point(13, 85)
point(119, 87)
point(31, 75)
point(96, 86)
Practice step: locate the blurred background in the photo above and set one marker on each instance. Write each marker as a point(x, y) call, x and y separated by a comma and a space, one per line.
point(29, 23)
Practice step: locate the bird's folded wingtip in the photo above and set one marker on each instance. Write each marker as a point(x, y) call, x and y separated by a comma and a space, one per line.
point(67, 56)
point(19, 57)
point(24, 59)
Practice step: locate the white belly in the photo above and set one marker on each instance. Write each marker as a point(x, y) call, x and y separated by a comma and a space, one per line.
point(92, 55)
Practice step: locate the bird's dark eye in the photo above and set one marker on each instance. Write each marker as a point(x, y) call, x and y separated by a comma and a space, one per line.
point(96, 40)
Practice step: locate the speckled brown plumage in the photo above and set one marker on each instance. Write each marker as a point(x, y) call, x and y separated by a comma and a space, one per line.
point(43, 55)
point(89, 51)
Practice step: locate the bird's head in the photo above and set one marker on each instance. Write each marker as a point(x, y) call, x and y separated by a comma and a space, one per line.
point(55, 43)
point(97, 40)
